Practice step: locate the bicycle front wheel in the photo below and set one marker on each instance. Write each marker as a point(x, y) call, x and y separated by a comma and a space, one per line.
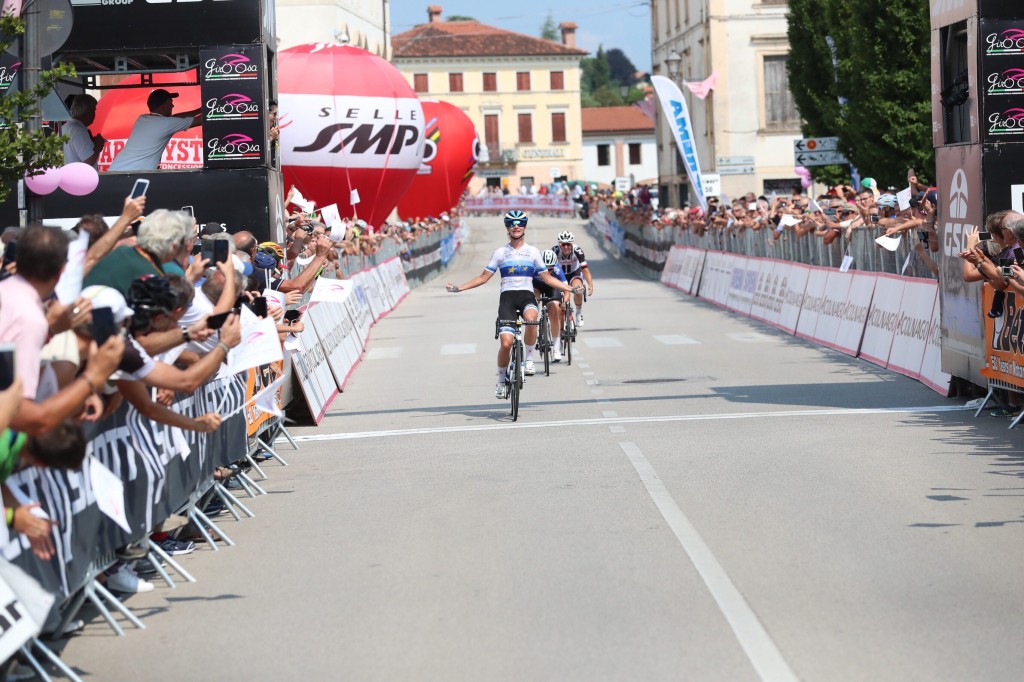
point(516, 378)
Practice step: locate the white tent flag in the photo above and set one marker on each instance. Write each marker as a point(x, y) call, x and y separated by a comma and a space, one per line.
point(259, 346)
point(328, 290)
point(266, 400)
point(70, 284)
point(678, 116)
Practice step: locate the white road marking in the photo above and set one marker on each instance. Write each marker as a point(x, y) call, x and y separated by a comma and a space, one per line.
point(458, 349)
point(617, 428)
point(384, 352)
point(752, 337)
point(676, 339)
point(602, 342)
point(362, 435)
point(609, 413)
point(582, 365)
point(587, 374)
point(751, 634)
point(592, 382)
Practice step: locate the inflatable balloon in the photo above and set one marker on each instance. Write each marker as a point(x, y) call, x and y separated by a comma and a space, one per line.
point(450, 153)
point(79, 179)
point(45, 182)
point(351, 129)
point(118, 110)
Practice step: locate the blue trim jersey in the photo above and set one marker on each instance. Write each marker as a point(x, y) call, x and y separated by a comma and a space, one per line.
point(517, 266)
point(556, 271)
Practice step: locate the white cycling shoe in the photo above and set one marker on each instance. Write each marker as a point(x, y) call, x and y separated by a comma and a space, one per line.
point(579, 319)
point(528, 368)
point(501, 390)
point(556, 354)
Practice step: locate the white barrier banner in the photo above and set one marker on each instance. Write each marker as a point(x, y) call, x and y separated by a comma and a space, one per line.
point(814, 297)
point(359, 311)
point(524, 202)
point(932, 375)
point(337, 334)
point(855, 313)
point(311, 369)
point(673, 264)
point(911, 338)
point(833, 302)
point(394, 279)
point(883, 319)
point(742, 284)
point(766, 302)
point(690, 273)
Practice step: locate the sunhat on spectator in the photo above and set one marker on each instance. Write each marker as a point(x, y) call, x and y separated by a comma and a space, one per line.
point(108, 297)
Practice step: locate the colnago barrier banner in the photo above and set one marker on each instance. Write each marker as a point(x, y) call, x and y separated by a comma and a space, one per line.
point(892, 321)
point(524, 202)
point(338, 319)
point(154, 469)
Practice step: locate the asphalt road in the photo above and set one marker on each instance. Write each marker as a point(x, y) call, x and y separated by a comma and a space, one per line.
point(698, 497)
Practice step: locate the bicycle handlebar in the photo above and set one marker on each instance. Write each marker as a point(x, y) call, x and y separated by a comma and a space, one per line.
point(498, 324)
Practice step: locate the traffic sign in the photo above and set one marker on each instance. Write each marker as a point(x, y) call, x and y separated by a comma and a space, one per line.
point(819, 158)
point(712, 183)
point(816, 144)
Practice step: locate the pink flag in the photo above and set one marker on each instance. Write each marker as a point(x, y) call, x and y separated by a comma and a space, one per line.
point(702, 89)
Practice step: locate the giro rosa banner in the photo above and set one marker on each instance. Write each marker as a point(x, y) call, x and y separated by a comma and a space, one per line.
point(118, 110)
point(450, 152)
point(234, 123)
point(351, 128)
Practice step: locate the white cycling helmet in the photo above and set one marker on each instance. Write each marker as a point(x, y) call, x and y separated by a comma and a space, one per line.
point(566, 237)
point(550, 258)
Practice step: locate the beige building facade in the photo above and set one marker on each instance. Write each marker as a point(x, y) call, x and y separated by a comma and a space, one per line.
point(522, 94)
point(746, 127)
point(362, 23)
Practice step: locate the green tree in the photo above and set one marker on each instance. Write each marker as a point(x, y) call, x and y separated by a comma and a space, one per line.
point(621, 69)
point(882, 72)
point(22, 151)
point(460, 17)
point(549, 30)
point(596, 74)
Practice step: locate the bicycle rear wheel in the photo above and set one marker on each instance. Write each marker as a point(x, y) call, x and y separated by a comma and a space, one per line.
point(517, 378)
point(545, 344)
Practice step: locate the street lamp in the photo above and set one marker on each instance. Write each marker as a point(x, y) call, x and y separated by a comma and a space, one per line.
point(672, 64)
point(624, 91)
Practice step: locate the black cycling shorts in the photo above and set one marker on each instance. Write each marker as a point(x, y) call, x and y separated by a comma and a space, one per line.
point(512, 304)
point(575, 274)
point(544, 289)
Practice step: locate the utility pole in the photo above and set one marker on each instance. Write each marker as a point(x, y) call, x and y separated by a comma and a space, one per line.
point(30, 68)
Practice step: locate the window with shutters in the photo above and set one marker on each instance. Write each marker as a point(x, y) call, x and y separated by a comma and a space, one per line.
point(558, 126)
point(522, 80)
point(490, 82)
point(779, 105)
point(557, 80)
point(604, 157)
point(491, 138)
point(634, 154)
point(525, 128)
point(455, 82)
point(419, 82)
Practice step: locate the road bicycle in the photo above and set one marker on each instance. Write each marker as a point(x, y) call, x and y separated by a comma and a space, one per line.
point(544, 338)
point(515, 376)
point(569, 326)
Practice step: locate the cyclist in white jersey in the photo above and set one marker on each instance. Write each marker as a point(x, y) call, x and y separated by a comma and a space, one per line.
point(518, 263)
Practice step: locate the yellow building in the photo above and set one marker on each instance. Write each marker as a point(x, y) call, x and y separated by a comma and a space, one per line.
point(522, 94)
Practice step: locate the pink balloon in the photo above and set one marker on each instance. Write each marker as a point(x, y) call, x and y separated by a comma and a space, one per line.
point(802, 172)
point(44, 182)
point(78, 178)
point(806, 182)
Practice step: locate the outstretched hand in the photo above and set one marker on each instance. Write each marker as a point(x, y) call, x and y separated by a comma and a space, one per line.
point(452, 288)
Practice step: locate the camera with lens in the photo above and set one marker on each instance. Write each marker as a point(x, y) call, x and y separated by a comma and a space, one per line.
point(1004, 267)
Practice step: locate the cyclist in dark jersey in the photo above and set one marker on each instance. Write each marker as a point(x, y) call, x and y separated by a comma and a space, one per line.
point(554, 308)
point(574, 263)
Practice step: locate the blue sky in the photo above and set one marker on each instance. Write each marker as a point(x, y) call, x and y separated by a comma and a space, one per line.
point(625, 24)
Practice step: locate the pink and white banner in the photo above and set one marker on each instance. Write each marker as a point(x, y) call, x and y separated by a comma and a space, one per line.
point(524, 202)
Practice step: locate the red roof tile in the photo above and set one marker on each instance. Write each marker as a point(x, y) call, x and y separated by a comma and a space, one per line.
point(473, 39)
point(615, 119)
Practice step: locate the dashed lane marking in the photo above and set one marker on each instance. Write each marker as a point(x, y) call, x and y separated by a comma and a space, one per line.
point(676, 339)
